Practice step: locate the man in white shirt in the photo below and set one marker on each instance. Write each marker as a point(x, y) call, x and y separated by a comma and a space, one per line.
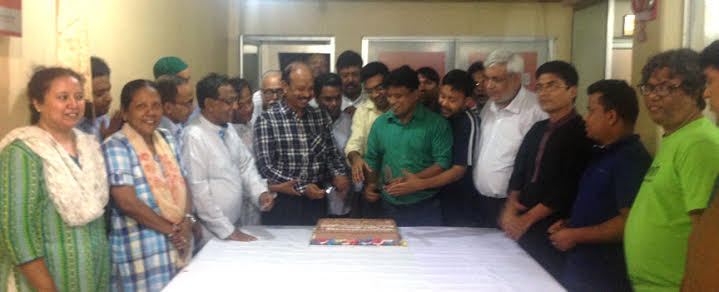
point(242, 118)
point(507, 117)
point(221, 169)
point(271, 92)
point(177, 104)
point(329, 98)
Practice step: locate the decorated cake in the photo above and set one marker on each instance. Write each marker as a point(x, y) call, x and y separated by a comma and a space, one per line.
point(356, 232)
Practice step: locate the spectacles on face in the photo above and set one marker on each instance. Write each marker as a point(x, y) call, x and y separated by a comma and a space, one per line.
point(272, 92)
point(548, 86)
point(479, 83)
point(374, 90)
point(660, 90)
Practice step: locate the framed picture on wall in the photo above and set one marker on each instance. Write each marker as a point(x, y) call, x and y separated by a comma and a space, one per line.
point(447, 53)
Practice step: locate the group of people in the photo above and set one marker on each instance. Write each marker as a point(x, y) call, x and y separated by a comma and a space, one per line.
point(93, 201)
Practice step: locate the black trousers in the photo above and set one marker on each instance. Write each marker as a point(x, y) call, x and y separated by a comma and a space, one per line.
point(295, 210)
point(537, 244)
point(489, 210)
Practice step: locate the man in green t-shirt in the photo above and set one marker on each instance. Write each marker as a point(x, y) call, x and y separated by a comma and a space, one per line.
point(409, 138)
point(677, 186)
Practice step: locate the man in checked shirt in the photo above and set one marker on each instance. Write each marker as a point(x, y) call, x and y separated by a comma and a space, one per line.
point(293, 142)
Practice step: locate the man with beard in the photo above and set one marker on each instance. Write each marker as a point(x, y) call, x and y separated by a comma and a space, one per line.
point(270, 93)
point(479, 94)
point(294, 144)
point(507, 117)
point(428, 88)
point(348, 68)
point(408, 139)
point(98, 123)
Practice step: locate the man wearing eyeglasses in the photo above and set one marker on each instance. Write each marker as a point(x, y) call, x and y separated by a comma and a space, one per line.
point(372, 76)
point(510, 113)
point(476, 71)
point(549, 163)
point(271, 92)
point(177, 104)
point(681, 179)
point(221, 171)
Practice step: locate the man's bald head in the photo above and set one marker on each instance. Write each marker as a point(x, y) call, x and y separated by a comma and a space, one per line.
point(299, 82)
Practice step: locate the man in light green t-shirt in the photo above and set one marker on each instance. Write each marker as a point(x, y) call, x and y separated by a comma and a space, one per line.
point(677, 187)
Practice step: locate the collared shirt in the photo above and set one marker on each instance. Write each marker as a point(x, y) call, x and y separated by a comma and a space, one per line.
point(610, 183)
point(501, 133)
point(257, 102)
point(246, 133)
point(340, 134)
point(93, 127)
point(176, 130)
point(566, 152)
point(362, 122)
point(221, 175)
point(290, 147)
point(425, 140)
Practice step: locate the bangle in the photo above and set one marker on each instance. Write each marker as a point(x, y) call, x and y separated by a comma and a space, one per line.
point(192, 218)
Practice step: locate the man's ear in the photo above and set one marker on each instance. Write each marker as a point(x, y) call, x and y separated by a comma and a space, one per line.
point(469, 102)
point(573, 93)
point(612, 117)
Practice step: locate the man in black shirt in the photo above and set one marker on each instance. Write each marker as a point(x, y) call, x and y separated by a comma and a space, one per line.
point(548, 166)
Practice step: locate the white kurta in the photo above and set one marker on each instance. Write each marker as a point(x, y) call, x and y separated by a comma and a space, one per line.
point(341, 131)
point(221, 174)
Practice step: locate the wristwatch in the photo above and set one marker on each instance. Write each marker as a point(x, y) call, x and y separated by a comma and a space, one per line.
point(192, 218)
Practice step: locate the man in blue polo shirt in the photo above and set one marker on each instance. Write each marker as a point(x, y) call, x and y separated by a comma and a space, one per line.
point(592, 236)
point(409, 138)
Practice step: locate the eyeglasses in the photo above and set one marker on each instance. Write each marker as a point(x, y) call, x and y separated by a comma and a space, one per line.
point(660, 90)
point(185, 104)
point(272, 92)
point(479, 83)
point(374, 90)
point(548, 86)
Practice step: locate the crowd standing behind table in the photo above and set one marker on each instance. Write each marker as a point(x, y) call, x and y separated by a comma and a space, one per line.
point(152, 227)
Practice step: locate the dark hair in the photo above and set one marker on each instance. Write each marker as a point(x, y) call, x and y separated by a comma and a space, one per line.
point(167, 87)
point(563, 70)
point(710, 56)
point(373, 69)
point(239, 84)
point(291, 68)
point(40, 82)
point(459, 81)
point(429, 73)
point(402, 77)
point(475, 67)
point(682, 63)
point(327, 79)
point(98, 67)
point(348, 59)
point(129, 90)
point(208, 87)
point(617, 95)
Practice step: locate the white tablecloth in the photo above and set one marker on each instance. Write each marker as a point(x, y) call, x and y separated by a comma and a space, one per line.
point(435, 259)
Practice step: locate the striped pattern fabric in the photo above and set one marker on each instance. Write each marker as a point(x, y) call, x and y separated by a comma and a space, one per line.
point(30, 228)
point(141, 257)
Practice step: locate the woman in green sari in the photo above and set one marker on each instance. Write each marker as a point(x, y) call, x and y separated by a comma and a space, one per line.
point(53, 187)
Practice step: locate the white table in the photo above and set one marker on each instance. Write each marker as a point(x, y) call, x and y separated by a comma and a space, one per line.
point(435, 259)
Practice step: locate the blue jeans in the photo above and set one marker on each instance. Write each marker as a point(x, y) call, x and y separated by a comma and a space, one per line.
point(424, 213)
